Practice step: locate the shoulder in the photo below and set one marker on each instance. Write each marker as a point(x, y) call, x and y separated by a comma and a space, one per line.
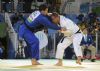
point(42, 17)
point(65, 19)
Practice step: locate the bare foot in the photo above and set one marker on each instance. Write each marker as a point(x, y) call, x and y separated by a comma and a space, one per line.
point(78, 61)
point(39, 63)
point(59, 64)
point(34, 62)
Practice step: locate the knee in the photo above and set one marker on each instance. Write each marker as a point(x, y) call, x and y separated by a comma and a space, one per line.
point(93, 48)
point(60, 47)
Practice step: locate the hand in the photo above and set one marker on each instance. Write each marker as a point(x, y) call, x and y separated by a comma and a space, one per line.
point(86, 45)
point(59, 31)
point(91, 45)
point(63, 29)
point(67, 33)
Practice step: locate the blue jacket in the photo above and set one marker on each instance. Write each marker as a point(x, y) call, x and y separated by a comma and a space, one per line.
point(39, 20)
point(89, 40)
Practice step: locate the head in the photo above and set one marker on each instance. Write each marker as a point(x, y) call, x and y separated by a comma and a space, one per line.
point(43, 9)
point(55, 18)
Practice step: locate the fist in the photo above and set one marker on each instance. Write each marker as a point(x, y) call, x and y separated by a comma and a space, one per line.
point(63, 29)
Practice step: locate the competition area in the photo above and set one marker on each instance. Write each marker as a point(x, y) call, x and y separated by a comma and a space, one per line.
point(48, 65)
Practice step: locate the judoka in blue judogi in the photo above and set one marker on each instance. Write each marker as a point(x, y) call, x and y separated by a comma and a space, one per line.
point(25, 31)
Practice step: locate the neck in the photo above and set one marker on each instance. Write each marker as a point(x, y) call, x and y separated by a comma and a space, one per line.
point(42, 12)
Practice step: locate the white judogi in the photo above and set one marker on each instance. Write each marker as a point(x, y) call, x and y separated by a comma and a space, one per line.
point(70, 38)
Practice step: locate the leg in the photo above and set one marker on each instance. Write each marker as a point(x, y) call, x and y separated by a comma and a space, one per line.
point(33, 44)
point(93, 52)
point(83, 47)
point(60, 50)
point(77, 48)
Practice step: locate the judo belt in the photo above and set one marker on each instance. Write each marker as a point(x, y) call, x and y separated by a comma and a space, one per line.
point(78, 31)
point(66, 36)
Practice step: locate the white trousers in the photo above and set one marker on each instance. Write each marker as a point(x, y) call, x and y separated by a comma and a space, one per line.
point(75, 39)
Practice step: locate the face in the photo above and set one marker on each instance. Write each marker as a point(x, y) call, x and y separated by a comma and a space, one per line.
point(55, 19)
point(45, 12)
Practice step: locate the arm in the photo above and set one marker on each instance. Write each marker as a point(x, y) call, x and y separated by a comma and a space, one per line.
point(67, 33)
point(49, 24)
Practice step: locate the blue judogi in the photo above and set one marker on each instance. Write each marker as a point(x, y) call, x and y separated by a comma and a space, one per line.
point(34, 20)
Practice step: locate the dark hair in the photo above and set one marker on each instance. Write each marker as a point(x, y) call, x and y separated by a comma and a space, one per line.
point(55, 14)
point(43, 7)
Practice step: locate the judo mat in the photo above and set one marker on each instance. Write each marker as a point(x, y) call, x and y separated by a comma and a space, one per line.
point(48, 65)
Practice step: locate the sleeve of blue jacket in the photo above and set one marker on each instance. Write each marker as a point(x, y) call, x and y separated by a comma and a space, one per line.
point(49, 24)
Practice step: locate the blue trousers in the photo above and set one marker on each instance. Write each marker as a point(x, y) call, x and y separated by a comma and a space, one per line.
point(32, 42)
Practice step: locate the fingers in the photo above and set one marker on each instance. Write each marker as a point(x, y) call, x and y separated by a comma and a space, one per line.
point(63, 29)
